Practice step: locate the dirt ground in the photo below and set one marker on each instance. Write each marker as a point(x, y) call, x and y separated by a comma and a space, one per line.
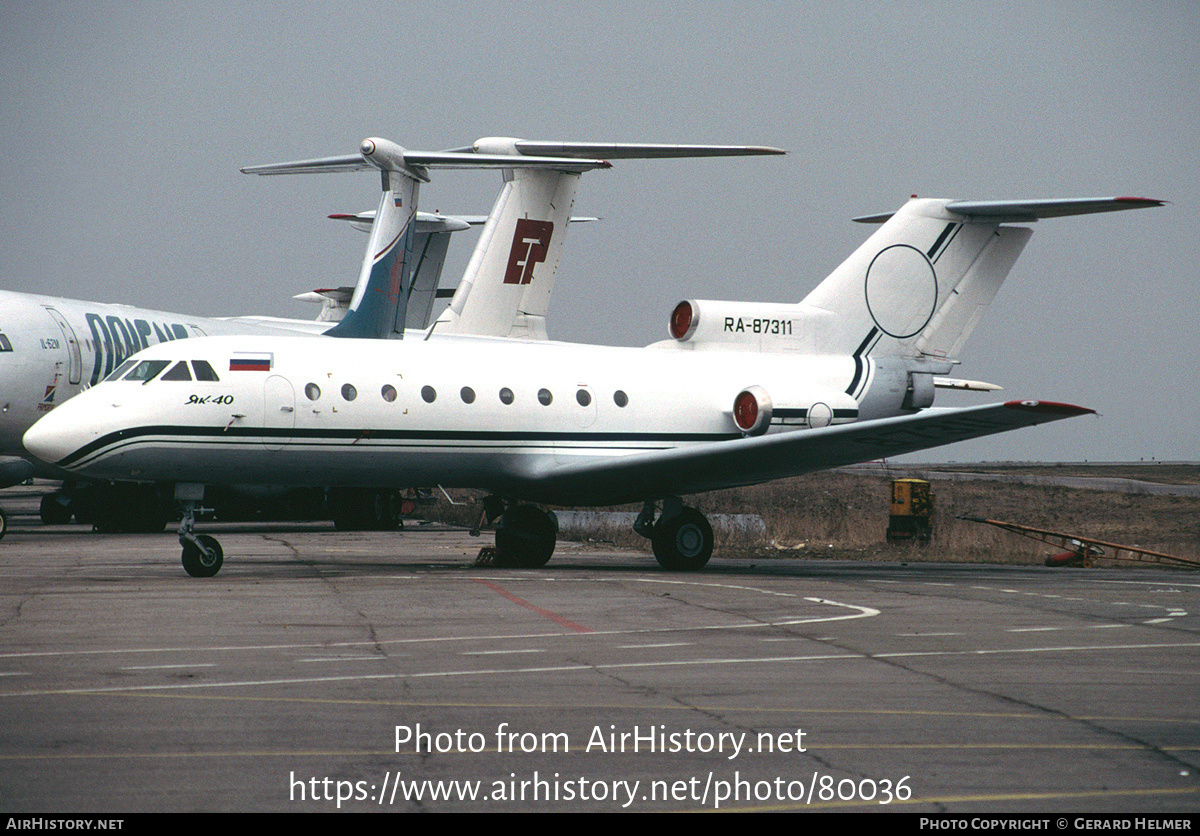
point(838, 511)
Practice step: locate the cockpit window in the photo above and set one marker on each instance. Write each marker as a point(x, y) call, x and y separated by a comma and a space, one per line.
point(121, 369)
point(146, 370)
point(204, 371)
point(178, 372)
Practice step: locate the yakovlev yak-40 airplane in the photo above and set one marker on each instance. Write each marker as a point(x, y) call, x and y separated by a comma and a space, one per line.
point(742, 393)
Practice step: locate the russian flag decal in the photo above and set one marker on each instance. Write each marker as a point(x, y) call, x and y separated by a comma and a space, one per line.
point(250, 361)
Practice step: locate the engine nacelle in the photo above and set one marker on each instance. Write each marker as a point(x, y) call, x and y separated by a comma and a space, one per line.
point(756, 412)
point(759, 326)
point(752, 410)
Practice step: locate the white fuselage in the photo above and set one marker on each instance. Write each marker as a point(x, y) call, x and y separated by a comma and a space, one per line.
point(470, 412)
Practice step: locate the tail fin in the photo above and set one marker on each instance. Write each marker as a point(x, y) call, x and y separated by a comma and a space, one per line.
point(430, 244)
point(920, 284)
point(379, 307)
point(508, 283)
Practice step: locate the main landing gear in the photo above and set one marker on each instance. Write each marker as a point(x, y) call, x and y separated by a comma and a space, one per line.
point(202, 554)
point(525, 536)
point(682, 538)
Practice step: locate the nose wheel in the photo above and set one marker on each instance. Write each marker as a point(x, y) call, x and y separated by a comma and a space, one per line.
point(203, 556)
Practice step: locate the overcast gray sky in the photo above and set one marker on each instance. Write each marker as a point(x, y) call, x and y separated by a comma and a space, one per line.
point(125, 125)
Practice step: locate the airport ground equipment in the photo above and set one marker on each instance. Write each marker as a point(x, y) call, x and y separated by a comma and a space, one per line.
point(911, 512)
point(1082, 551)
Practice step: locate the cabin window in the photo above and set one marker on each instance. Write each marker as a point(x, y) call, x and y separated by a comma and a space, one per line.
point(620, 398)
point(388, 392)
point(506, 396)
point(583, 396)
point(312, 391)
point(349, 392)
point(204, 371)
point(146, 370)
point(428, 394)
point(178, 372)
point(544, 397)
point(5, 345)
point(468, 394)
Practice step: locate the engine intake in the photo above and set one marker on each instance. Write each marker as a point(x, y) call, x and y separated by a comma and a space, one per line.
point(809, 407)
point(751, 325)
point(752, 410)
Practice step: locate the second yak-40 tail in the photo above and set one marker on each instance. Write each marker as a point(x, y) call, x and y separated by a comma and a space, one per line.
point(506, 289)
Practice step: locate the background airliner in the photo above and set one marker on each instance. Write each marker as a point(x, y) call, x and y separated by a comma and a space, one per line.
point(742, 393)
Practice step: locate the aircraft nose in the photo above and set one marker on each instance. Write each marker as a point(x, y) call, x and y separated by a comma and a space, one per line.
point(53, 437)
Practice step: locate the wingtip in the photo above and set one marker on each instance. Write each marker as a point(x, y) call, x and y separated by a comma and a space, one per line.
point(1050, 408)
point(1143, 202)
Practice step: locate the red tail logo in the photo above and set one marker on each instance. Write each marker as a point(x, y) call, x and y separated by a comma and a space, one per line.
point(531, 242)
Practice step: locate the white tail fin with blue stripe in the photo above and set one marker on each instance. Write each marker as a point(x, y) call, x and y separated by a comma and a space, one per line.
point(919, 285)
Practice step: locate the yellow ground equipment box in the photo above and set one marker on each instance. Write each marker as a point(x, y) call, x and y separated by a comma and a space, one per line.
point(911, 511)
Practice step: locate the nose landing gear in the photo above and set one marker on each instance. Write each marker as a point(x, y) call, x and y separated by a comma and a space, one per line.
point(202, 555)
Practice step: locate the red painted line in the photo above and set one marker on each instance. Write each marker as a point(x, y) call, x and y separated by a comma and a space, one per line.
point(555, 617)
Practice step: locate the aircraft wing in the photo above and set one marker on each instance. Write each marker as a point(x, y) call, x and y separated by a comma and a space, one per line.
point(747, 461)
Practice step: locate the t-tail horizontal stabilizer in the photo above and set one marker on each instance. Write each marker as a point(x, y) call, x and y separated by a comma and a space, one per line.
point(1028, 211)
point(379, 306)
point(506, 289)
point(546, 174)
